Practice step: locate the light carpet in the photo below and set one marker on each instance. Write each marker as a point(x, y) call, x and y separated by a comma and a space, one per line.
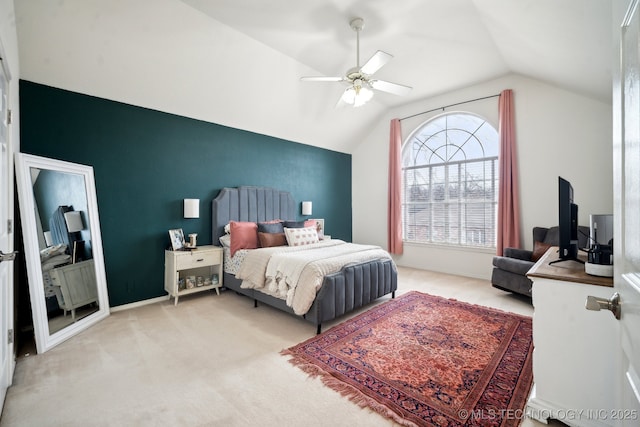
point(212, 360)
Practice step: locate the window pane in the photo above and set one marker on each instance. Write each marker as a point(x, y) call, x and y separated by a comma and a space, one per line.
point(451, 182)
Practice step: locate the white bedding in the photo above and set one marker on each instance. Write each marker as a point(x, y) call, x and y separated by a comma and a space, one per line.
point(295, 273)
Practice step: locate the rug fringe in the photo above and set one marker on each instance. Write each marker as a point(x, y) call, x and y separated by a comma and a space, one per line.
point(346, 390)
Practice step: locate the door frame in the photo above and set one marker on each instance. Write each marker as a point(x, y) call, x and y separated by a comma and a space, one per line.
point(7, 322)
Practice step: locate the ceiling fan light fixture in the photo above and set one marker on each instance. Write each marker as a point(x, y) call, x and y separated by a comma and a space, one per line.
point(360, 78)
point(357, 95)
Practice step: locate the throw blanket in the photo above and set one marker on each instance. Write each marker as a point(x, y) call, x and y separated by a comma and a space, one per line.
point(295, 273)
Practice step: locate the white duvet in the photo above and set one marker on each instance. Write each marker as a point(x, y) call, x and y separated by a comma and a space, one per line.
point(295, 273)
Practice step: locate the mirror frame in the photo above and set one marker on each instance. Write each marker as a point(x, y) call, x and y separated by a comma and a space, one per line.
point(45, 340)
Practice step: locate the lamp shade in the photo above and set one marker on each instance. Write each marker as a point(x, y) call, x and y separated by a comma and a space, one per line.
point(307, 208)
point(48, 238)
point(192, 208)
point(74, 221)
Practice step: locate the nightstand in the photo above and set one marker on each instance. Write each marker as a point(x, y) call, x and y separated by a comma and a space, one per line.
point(180, 266)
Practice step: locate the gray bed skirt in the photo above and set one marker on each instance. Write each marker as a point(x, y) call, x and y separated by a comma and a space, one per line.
point(355, 286)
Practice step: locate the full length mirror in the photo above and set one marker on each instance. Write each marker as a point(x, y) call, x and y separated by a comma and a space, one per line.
point(63, 247)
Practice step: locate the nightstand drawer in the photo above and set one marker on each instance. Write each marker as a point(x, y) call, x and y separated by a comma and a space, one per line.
point(197, 259)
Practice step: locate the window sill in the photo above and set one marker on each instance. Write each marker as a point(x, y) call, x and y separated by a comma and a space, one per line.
point(449, 247)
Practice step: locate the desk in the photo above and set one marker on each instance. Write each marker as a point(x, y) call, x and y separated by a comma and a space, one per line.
point(573, 364)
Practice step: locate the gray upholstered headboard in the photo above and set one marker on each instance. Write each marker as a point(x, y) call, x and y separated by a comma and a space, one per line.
point(249, 204)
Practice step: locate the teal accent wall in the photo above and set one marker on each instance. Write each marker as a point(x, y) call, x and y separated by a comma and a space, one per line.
point(146, 162)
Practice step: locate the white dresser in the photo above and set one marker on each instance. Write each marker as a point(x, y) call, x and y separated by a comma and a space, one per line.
point(573, 360)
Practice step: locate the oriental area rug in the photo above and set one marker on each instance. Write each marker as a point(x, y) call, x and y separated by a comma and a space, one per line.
point(423, 360)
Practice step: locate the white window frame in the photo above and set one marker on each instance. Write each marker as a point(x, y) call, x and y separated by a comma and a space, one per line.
point(452, 228)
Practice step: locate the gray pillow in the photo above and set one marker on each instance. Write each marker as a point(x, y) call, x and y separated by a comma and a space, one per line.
point(270, 227)
point(293, 224)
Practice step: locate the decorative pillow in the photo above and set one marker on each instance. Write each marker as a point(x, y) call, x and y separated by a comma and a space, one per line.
point(316, 224)
point(268, 240)
point(270, 227)
point(293, 224)
point(244, 235)
point(52, 251)
point(539, 248)
point(225, 240)
point(301, 236)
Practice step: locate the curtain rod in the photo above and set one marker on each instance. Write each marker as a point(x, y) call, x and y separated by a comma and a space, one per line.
point(451, 105)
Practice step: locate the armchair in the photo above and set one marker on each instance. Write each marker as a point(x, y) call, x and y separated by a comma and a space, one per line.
point(509, 271)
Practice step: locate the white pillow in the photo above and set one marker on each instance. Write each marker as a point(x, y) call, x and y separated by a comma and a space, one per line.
point(225, 240)
point(52, 251)
point(301, 236)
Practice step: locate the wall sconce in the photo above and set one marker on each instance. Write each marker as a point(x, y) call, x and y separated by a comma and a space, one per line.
point(192, 208)
point(307, 208)
point(74, 221)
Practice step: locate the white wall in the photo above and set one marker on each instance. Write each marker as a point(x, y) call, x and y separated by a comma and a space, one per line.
point(557, 133)
point(167, 56)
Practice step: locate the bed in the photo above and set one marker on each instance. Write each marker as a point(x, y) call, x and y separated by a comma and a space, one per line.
point(355, 284)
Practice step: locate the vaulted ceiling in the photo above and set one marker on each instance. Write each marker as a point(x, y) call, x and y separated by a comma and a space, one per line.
point(246, 72)
point(438, 45)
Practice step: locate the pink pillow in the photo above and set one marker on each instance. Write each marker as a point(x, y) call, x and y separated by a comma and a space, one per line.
point(244, 235)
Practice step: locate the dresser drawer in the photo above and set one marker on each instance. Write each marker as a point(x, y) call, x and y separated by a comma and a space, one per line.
point(198, 259)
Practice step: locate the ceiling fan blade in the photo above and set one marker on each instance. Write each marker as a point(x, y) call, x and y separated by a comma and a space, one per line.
point(321, 79)
point(375, 62)
point(389, 87)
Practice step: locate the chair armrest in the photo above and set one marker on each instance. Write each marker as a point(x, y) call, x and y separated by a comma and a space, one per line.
point(518, 253)
point(512, 265)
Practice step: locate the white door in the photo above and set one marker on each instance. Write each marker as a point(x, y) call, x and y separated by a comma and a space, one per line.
point(6, 242)
point(627, 214)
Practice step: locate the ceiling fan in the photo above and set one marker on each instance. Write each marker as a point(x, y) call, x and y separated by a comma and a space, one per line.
point(360, 78)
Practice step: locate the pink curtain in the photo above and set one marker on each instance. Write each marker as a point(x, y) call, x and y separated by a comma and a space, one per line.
point(508, 197)
point(394, 217)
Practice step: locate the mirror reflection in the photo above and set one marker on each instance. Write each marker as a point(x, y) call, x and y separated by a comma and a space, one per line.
point(62, 247)
point(64, 240)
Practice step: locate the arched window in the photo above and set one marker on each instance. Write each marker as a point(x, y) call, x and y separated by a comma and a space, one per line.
point(450, 182)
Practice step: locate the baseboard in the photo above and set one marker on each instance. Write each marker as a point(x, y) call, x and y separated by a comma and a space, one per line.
point(138, 304)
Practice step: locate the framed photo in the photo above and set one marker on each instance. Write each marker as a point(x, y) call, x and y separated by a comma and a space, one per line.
point(319, 227)
point(177, 239)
